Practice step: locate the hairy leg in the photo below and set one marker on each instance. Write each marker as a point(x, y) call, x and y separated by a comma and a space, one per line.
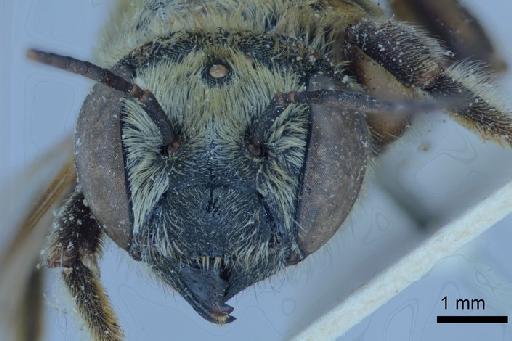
point(454, 25)
point(75, 245)
point(379, 83)
point(418, 62)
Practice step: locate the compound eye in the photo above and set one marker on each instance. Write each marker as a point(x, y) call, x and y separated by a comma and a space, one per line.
point(336, 160)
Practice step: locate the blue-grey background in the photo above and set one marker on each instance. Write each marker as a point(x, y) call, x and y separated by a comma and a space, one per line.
point(437, 173)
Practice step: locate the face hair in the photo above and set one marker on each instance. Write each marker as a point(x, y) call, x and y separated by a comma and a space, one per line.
point(222, 114)
point(110, 79)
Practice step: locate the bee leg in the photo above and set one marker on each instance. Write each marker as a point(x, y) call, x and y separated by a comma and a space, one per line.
point(453, 24)
point(418, 62)
point(379, 83)
point(75, 245)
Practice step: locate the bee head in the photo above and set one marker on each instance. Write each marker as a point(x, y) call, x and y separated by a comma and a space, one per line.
point(195, 166)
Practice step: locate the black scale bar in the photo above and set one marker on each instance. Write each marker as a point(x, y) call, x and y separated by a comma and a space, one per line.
point(472, 319)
